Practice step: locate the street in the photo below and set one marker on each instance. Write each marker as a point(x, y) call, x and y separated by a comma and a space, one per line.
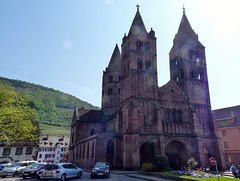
point(85, 177)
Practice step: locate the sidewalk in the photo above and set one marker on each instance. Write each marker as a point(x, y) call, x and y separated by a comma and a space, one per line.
point(150, 176)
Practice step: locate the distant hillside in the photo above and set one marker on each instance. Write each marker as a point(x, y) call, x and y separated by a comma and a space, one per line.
point(54, 108)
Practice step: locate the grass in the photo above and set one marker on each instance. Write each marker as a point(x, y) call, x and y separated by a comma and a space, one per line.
point(54, 130)
point(211, 179)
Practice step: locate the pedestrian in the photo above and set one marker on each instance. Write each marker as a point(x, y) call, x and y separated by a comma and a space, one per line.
point(234, 170)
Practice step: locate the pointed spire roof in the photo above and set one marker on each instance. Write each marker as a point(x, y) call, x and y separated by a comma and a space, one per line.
point(115, 62)
point(185, 29)
point(137, 24)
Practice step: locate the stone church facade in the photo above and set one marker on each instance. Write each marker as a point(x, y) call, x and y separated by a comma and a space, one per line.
point(138, 118)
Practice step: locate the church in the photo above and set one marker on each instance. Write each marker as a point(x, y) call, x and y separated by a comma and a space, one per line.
point(139, 119)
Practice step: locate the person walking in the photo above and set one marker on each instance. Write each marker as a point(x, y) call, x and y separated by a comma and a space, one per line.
point(234, 170)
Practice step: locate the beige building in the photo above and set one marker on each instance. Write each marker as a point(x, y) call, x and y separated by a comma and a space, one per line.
point(228, 129)
point(52, 149)
point(138, 118)
point(10, 153)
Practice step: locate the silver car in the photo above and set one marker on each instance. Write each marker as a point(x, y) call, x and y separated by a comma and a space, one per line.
point(12, 169)
point(61, 171)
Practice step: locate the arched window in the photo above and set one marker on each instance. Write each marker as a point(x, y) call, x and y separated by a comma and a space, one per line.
point(147, 47)
point(199, 76)
point(180, 115)
point(148, 66)
point(139, 45)
point(83, 156)
point(139, 63)
point(110, 79)
point(110, 91)
point(80, 152)
point(88, 150)
point(174, 114)
point(92, 132)
point(167, 114)
point(92, 149)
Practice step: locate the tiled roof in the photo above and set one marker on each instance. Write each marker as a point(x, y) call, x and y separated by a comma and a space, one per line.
point(52, 141)
point(91, 115)
point(229, 113)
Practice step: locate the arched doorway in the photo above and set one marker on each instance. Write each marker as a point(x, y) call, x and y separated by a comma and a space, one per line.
point(147, 152)
point(110, 152)
point(177, 154)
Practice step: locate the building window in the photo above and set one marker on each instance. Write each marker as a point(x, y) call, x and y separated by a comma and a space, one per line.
point(147, 47)
point(6, 151)
point(110, 79)
point(110, 91)
point(29, 150)
point(148, 66)
point(80, 152)
point(19, 151)
point(139, 63)
point(92, 132)
point(139, 45)
point(180, 115)
point(226, 144)
point(40, 155)
point(93, 150)
point(83, 151)
point(224, 133)
point(88, 150)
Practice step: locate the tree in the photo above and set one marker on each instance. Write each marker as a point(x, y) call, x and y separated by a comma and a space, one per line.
point(16, 117)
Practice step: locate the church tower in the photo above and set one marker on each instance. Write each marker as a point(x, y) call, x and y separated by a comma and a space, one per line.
point(189, 70)
point(139, 65)
point(188, 64)
point(111, 86)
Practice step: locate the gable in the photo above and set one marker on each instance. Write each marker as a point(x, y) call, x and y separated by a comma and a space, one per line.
point(171, 92)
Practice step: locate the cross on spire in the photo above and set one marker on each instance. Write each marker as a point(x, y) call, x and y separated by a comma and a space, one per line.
point(138, 7)
point(183, 9)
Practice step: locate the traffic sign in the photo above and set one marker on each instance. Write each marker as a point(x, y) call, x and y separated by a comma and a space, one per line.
point(212, 161)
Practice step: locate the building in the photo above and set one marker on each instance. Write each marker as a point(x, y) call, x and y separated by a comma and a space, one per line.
point(228, 129)
point(52, 149)
point(14, 152)
point(138, 118)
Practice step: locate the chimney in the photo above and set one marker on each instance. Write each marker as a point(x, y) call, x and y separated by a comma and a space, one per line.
point(47, 136)
point(63, 137)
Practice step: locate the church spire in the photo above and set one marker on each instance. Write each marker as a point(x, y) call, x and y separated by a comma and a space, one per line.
point(137, 24)
point(115, 61)
point(185, 29)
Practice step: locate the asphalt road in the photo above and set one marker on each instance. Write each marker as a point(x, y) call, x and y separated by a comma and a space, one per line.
point(85, 177)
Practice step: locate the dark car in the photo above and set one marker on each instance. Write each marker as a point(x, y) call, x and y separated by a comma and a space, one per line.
point(100, 169)
point(32, 171)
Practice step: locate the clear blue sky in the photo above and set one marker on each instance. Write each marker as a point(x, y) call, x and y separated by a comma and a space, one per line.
point(66, 45)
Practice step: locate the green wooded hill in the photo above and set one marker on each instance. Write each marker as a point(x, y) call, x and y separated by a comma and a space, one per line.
point(54, 108)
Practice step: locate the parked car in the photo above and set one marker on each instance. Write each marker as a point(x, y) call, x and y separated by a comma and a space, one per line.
point(20, 171)
point(3, 165)
point(12, 170)
point(61, 171)
point(100, 169)
point(32, 170)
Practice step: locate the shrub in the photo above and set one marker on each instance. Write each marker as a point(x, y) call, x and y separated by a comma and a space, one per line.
point(162, 163)
point(147, 167)
point(192, 163)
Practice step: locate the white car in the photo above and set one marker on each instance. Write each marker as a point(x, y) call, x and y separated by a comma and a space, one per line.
point(60, 171)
